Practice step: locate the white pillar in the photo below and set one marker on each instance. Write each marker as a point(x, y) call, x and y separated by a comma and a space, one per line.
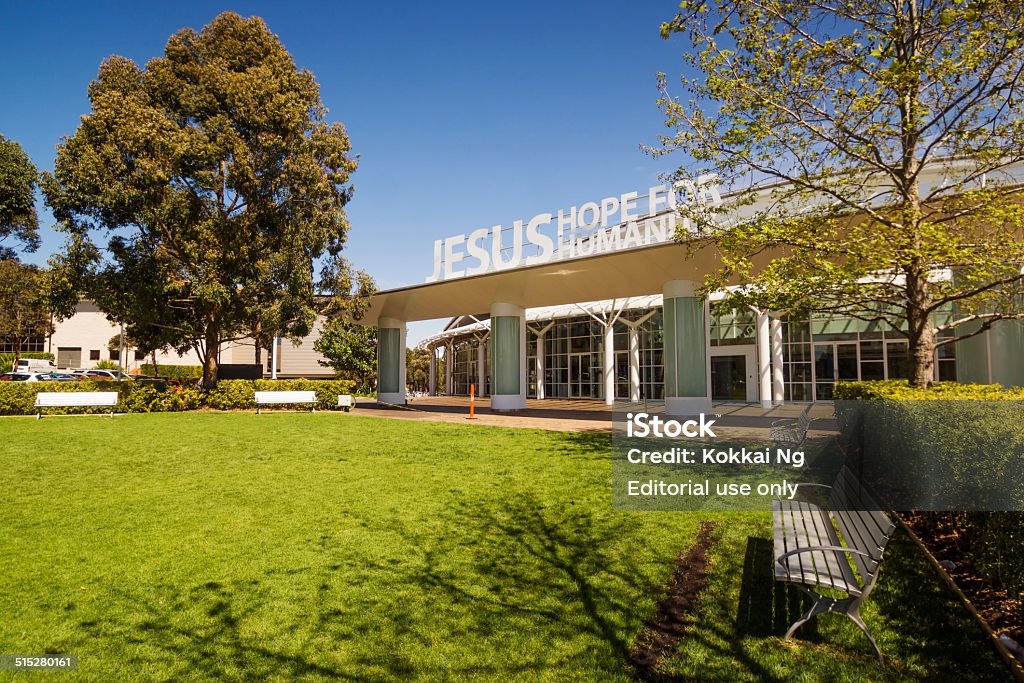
point(539, 365)
point(609, 363)
point(778, 392)
point(432, 381)
point(764, 364)
point(481, 368)
point(273, 358)
point(449, 363)
point(634, 364)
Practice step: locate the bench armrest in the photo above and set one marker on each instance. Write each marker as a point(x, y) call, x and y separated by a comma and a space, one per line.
point(837, 549)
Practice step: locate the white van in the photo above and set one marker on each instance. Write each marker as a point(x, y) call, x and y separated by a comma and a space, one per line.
point(34, 365)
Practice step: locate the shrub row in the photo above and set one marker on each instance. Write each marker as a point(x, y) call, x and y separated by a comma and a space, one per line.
point(18, 398)
point(240, 393)
point(900, 390)
point(973, 442)
point(182, 372)
point(7, 359)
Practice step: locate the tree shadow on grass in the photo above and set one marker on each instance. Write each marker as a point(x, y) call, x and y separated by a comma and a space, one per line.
point(201, 632)
point(563, 574)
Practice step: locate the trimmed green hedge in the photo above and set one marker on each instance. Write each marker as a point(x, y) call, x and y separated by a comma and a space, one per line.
point(232, 394)
point(18, 398)
point(182, 372)
point(978, 437)
point(7, 359)
point(900, 390)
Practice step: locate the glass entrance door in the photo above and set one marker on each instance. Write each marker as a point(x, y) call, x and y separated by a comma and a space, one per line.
point(622, 375)
point(583, 376)
point(728, 378)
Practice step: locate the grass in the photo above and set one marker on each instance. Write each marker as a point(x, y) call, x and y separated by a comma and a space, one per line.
point(233, 547)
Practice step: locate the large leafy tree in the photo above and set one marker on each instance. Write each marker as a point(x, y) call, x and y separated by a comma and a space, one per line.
point(18, 218)
point(216, 182)
point(893, 131)
point(23, 310)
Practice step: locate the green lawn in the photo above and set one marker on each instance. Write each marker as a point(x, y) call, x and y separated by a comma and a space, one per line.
point(235, 547)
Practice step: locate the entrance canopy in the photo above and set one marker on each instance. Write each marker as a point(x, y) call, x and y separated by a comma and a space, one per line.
point(619, 274)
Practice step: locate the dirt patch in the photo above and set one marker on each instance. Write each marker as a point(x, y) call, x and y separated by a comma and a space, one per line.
point(662, 633)
point(1003, 610)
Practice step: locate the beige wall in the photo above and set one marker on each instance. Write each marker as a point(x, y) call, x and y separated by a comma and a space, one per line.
point(89, 330)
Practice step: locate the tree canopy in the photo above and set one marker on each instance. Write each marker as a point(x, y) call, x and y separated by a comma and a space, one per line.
point(23, 310)
point(216, 182)
point(349, 347)
point(18, 218)
point(894, 135)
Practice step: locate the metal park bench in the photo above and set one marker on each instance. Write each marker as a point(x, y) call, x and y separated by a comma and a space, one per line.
point(266, 398)
point(791, 432)
point(810, 554)
point(74, 399)
point(346, 402)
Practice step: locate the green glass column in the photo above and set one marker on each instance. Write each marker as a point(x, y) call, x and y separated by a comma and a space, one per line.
point(1006, 346)
point(685, 350)
point(508, 357)
point(391, 361)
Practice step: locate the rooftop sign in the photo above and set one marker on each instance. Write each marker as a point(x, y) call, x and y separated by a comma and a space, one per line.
point(611, 224)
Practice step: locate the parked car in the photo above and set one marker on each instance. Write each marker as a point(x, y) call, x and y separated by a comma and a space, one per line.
point(58, 377)
point(20, 377)
point(96, 373)
point(34, 365)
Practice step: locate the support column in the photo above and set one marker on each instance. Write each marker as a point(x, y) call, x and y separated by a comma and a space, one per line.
point(508, 357)
point(391, 361)
point(432, 382)
point(481, 367)
point(764, 360)
point(539, 365)
point(687, 371)
point(778, 388)
point(449, 363)
point(634, 364)
point(609, 363)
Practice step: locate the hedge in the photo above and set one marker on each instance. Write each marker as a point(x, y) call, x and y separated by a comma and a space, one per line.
point(232, 394)
point(974, 441)
point(18, 398)
point(182, 372)
point(900, 390)
point(7, 359)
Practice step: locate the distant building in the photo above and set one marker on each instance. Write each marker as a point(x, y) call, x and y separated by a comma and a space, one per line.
point(83, 340)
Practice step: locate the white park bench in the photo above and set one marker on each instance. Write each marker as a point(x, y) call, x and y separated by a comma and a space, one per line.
point(74, 399)
point(346, 402)
point(266, 398)
point(791, 432)
point(810, 554)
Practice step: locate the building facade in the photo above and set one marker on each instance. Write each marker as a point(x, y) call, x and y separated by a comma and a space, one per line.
point(601, 302)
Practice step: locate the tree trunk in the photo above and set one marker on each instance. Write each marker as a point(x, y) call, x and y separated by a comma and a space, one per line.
point(210, 362)
point(920, 332)
point(156, 370)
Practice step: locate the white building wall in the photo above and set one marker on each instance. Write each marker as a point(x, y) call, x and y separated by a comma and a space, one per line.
point(89, 331)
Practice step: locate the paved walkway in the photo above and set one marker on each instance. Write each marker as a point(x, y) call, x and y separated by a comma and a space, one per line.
point(737, 420)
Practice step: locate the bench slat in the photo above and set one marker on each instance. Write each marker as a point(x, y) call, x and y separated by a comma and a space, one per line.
point(74, 399)
point(285, 397)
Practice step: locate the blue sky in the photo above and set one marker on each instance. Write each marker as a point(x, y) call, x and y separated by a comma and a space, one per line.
point(464, 114)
